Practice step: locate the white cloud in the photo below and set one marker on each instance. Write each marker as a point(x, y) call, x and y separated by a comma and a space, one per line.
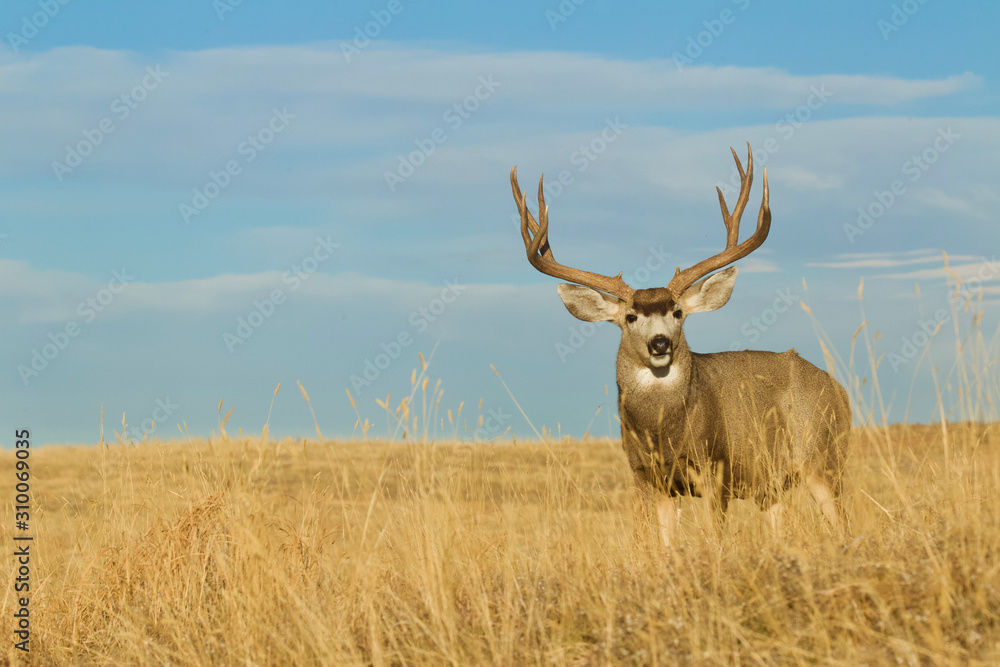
point(802, 179)
point(403, 72)
point(941, 200)
point(394, 91)
point(35, 296)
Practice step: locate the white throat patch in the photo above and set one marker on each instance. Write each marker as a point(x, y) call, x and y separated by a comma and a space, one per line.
point(646, 379)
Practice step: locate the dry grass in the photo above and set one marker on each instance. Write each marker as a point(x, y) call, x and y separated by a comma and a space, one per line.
point(251, 553)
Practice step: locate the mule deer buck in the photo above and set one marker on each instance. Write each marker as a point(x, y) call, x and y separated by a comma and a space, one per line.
point(747, 424)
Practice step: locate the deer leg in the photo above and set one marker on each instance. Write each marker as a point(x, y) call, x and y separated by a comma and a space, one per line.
point(829, 502)
point(776, 515)
point(642, 505)
point(666, 514)
point(718, 493)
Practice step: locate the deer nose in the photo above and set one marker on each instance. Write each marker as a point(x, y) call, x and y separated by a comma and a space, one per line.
point(659, 345)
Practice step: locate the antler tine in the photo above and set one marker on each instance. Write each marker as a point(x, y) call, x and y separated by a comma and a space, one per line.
point(541, 242)
point(764, 217)
point(527, 220)
point(539, 251)
point(746, 180)
point(532, 231)
point(734, 250)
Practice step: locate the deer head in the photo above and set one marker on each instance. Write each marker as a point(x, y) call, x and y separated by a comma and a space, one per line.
point(651, 320)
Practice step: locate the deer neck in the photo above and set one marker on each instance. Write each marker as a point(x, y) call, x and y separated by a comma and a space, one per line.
point(647, 396)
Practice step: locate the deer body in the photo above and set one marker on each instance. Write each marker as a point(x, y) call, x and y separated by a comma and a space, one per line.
point(726, 425)
point(741, 426)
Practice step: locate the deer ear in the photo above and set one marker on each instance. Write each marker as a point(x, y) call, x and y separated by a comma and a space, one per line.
point(588, 304)
point(711, 293)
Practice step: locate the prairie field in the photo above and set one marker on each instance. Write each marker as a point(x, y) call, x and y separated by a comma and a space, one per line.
point(256, 552)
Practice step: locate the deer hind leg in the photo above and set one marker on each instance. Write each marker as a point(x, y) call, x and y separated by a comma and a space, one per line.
point(774, 503)
point(828, 499)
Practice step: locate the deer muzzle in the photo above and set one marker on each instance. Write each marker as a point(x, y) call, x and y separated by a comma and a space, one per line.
point(659, 346)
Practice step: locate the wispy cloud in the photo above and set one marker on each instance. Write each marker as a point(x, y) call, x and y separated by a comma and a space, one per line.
point(403, 72)
point(965, 267)
point(34, 296)
point(984, 270)
point(895, 253)
point(938, 199)
point(887, 260)
point(759, 265)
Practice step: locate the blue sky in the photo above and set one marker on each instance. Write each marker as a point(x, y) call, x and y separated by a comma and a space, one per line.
point(169, 170)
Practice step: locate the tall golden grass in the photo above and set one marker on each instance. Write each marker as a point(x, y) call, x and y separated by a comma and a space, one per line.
point(247, 551)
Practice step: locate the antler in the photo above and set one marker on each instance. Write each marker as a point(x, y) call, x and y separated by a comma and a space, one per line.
point(536, 243)
point(684, 279)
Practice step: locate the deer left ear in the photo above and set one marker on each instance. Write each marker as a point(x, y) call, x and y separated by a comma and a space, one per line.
point(588, 304)
point(711, 293)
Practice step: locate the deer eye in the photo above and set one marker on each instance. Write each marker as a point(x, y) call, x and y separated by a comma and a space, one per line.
point(678, 313)
point(631, 317)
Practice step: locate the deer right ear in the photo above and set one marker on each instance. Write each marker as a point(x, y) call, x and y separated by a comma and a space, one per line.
point(711, 293)
point(588, 304)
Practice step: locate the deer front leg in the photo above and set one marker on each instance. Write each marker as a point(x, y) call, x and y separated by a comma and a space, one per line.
point(645, 500)
point(717, 490)
point(642, 510)
point(666, 515)
point(776, 516)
